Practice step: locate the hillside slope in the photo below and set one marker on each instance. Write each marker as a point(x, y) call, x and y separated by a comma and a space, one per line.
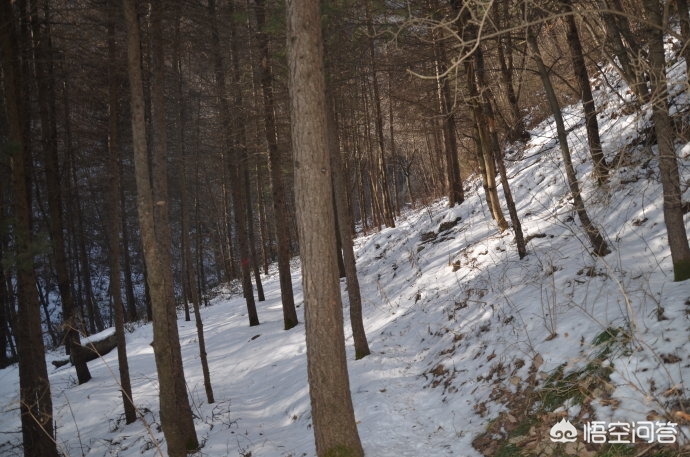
point(473, 349)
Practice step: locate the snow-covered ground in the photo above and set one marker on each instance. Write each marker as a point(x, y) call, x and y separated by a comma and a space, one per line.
point(461, 329)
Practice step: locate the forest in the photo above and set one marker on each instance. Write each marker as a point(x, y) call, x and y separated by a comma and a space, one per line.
point(293, 161)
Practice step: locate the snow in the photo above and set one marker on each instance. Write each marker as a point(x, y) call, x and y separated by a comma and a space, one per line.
point(443, 339)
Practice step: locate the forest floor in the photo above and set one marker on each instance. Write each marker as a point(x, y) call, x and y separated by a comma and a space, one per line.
point(474, 351)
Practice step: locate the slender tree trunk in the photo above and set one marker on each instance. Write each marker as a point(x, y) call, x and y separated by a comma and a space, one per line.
point(43, 300)
point(35, 401)
point(46, 97)
point(504, 49)
point(190, 275)
point(394, 151)
point(580, 68)
point(5, 335)
point(684, 15)
point(373, 183)
point(95, 319)
point(132, 313)
point(494, 145)
point(446, 99)
point(71, 202)
point(343, 221)
point(236, 156)
point(668, 162)
point(335, 429)
point(113, 218)
point(381, 167)
point(455, 191)
point(176, 414)
point(251, 235)
point(596, 239)
point(266, 249)
point(485, 153)
point(240, 159)
point(617, 28)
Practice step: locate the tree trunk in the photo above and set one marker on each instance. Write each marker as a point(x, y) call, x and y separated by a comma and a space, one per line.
point(387, 206)
point(343, 221)
point(113, 218)
point(504, 49)
point(132, 313)
point(394, 151)
point(176, 414)
point(485, 152)
point(236, 156)
point(335, 430)
point(46, 98)
point(684, 15)
point(497, 152)
point(455, 191)
point(93, 312)
point(580, 68)
point(598, 243)
point(35, 401)
point(190, 274)
point(668, 162)
point(5, 323)
point(159, 162)
point(446, 104)
point(617, 27)
point(251, 235)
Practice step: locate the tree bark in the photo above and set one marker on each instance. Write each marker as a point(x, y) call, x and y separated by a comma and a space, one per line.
point(485, 153)
point(504, 49)
point(381, 167)
point(46, 97)
point(335, 430)
point(455, 191)
point(596, 239)
point(580, 69)
point(251, 236)
point(497, 152)
point(668, 162)
point(684, 15)
point(235, 154)
point(277, 182)
point(176, 414)
point(343, 221)
point(35, 401)
point(132, 313)
point(113, 218)
point(618, 27)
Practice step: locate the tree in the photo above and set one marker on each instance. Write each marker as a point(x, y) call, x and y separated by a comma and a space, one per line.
point(596, 239)
point(380, 156)
point(176, 414)
point(46, 97)
point(277, 181)
point(343, 223)
point(621, 41)
point(590, 109)
point(188, 268)
point(113, 221)
point(36, 406)
point(456, 194)
point(495, 147)
point(335, 429)
point(235, 152)
point(668, 165)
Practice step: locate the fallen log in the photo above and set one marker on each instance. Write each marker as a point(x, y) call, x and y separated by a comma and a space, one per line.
point(96, 346)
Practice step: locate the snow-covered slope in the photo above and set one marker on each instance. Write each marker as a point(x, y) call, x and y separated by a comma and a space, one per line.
point(469, 342)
